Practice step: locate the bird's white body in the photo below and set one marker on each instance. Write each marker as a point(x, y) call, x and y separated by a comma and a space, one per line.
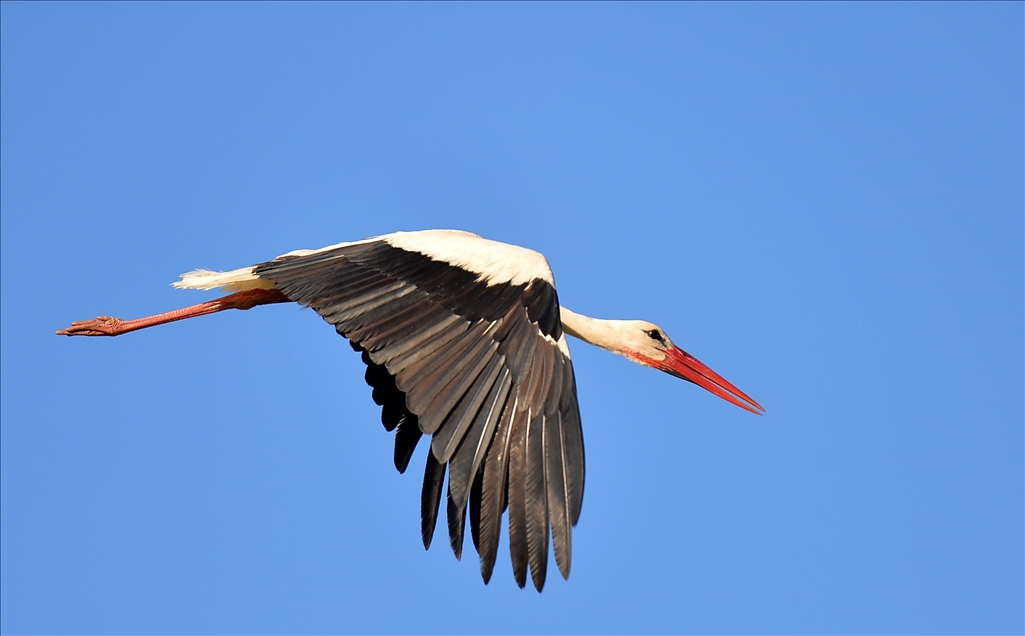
point(494, 262)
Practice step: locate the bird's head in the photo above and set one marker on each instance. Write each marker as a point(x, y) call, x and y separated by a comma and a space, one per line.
point(647, 343)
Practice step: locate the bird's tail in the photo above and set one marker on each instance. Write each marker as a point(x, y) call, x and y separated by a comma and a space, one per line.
point(236, 280)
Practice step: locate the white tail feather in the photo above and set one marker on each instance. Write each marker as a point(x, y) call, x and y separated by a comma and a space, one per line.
point(235, 280)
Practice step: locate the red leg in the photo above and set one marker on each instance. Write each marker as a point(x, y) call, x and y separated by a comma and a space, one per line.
point(109, 326)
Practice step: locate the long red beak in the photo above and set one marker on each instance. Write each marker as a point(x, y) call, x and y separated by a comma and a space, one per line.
point(683, 365)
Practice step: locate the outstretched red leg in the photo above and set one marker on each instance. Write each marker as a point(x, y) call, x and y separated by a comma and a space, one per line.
point(110, 326)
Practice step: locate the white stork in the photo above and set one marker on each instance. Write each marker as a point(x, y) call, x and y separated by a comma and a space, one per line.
point(464, 340)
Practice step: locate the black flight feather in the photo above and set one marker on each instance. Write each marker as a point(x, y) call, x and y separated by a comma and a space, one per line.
point(456, 526)
point(430, 498)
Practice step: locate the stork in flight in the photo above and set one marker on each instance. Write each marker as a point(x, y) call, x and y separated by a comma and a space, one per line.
point(465, 341)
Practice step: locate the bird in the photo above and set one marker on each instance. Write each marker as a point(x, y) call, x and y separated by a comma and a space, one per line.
point(464, 340)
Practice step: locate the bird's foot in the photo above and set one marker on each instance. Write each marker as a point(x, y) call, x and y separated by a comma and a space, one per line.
point(101, 326)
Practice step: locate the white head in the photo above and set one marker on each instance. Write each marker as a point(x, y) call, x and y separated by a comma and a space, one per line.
point(648, 344)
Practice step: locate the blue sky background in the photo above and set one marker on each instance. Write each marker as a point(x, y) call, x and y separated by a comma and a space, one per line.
point(823, 202)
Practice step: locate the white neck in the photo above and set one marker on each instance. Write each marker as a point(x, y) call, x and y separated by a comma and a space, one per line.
point(602, 333)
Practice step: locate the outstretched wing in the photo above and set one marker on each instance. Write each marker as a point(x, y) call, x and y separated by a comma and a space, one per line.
point(463, 342)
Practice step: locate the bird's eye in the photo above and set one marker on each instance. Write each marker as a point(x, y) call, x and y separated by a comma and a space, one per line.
point(655, 335)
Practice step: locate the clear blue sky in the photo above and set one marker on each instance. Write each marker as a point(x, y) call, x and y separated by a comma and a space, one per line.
point(823, 202)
